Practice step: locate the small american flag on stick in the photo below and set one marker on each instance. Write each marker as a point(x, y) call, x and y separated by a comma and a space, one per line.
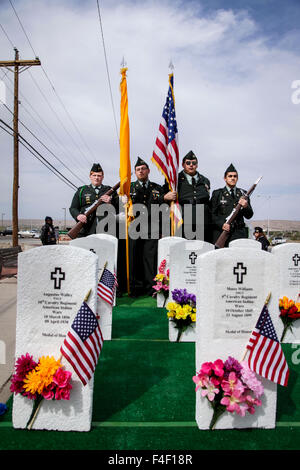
point(83, 343)
point(266, 357)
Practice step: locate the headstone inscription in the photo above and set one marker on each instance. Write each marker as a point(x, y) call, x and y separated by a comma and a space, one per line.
point(183, 275)
point(288, 256)
point(52, 284)
point(163, 253)
point(106, 248)
point(232, 287)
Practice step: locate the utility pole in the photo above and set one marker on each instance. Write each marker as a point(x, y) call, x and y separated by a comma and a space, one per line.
point(18, 67)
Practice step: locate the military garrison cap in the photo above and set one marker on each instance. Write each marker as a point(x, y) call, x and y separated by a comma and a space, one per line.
point(189, 156)
point(230, 169)
point(96, 168)
point(140, 162)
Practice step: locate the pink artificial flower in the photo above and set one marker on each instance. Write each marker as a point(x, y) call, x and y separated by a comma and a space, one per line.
point(210, 389)
point(63, 393)
point(24, 364)
point(216, 367)
point(232, 402)
point(162, 266)
point(200, 380)
point(233, 383)
point(48, 392)
point(206, 368)
point(250, 379)
point(61, 377)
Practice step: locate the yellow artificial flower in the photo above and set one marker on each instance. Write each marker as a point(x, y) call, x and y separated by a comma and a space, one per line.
point(47, 367)
point(33, 382)
point(193, 317)
point(172, 305)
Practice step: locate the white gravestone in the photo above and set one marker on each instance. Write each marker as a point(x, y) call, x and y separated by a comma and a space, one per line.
point(52, 284)
point(163, 253)
point(106, 248)
point(183, 275)
point(245, 243)
point(288, 256)
point(232, 287)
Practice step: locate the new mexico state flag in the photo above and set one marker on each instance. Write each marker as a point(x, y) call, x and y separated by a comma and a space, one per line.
point(125, 168)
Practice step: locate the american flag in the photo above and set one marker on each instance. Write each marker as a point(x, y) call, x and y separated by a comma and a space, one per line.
point(106, 286)
point(166, 153)
point(83, 343)
point(266, 357)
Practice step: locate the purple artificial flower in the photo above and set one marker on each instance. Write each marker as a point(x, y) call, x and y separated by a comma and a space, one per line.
point(232, 365)
point(182, 297)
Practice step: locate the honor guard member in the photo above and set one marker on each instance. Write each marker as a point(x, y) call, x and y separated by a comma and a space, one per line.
point(261, 237)
point(222, 203)
point(86, 195)
point(143, 251)
point(193, 188)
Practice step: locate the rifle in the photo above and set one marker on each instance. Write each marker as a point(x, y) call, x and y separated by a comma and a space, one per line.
point(73, 233)
point(220, 243)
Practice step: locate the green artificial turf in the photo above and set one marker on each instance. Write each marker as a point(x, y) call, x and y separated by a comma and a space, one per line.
point(144, 397)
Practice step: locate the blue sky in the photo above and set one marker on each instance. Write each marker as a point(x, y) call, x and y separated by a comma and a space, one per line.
point(234, 65)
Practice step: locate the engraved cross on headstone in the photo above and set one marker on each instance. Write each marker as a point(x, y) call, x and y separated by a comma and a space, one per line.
point(57, 276)
point(193, 257)
point(239, 271)
point(296, 259)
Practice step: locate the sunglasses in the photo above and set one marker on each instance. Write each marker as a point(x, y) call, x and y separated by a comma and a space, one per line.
point(188, 162)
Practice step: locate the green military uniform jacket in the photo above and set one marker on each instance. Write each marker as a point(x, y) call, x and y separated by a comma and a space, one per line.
point(84, 197)
point(222, 204)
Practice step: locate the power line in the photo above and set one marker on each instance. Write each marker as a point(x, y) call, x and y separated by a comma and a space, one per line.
point(108, 76)
point(23, 141)
point(44, 145)
point(40, 118)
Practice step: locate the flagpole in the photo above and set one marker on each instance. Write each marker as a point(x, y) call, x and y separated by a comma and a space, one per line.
point(266, 303)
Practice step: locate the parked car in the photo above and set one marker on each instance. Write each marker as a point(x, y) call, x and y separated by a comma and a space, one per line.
point(7, 231)
point(278, 240)
point(26, 234)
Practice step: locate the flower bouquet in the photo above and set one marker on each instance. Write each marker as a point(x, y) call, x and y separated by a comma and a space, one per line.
point(229, 386)
point(45, 379)
point(162, 281)
point(182, 311)
point(289, 313)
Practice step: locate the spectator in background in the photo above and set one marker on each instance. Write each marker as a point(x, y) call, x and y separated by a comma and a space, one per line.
point(48, 232)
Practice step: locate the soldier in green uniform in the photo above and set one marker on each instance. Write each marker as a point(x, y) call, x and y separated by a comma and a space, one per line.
point(194, 189)
point(86, 195)
point(222, 203)
point(143, 251)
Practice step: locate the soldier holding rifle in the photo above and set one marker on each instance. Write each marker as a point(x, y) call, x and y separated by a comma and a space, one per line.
point(86, 195)
point(222, 203)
